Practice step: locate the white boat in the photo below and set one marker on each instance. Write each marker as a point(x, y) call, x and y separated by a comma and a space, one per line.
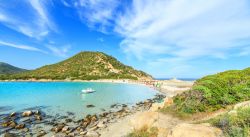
point(88, 90)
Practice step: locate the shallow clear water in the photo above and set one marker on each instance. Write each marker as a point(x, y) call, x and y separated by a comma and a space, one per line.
point(63, 97)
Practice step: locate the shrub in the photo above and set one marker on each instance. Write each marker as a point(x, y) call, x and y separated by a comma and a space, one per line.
point(214, 92)
point(234, 125)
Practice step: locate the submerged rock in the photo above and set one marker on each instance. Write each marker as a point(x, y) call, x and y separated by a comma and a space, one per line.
point(38, 117)
point(20, 126)
point(90, 106)
point(13, 114)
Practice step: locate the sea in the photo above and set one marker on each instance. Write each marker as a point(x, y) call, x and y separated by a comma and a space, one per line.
point(61, 98)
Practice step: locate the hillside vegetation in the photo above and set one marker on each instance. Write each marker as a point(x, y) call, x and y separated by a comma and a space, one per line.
point(9, 69)
point(83, 66)
point(235, 124)
point(214, 92)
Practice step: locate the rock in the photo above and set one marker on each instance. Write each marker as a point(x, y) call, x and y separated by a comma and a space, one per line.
point(37, 112)
point(25, 129)
point(124, 105)
point(9, 135)
point(27, 113)
point(92, 134)
point(101, 125)
point(83, 133)
point(93, 128)
point(12, 124)
point(64, 129)
point(13, 114)
point(90, 106)
point(143, 119)
point(58, 128)
point(38, 117)
point(5, 124)
point(20, 126)
point(72, 134)
point(93, 119)
point(194, 130)
point(41, 133)
point(68, 120)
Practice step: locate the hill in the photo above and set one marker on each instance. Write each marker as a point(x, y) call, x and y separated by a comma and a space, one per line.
point(83, 66)
point(214, 92)
point(9, 69)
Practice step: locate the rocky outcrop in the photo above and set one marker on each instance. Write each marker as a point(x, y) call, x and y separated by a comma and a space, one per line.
point(144, 119)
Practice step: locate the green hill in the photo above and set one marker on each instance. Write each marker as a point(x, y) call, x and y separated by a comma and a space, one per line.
point(214, 92)
point(9, 69)
point(83, 66)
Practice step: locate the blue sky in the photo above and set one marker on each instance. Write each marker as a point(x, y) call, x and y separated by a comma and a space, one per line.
point(165, 38)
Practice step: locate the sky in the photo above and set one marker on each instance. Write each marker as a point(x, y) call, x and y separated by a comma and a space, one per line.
point(165, 38)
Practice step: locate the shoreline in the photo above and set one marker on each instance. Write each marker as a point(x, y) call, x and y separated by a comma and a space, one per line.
point(26, 122)
point(163, 86)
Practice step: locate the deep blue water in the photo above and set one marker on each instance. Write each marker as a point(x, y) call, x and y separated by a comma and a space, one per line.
point(62, 97)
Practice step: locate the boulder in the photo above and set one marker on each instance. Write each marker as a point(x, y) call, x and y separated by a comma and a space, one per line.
point(27, 113)
point(143, 119)
point(194, 130)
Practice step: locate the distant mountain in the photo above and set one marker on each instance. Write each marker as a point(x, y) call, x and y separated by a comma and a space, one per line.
point(84, 66)
point(9, 69)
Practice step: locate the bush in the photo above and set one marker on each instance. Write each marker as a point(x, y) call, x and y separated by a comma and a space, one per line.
point(234, 125)
point(214, 92)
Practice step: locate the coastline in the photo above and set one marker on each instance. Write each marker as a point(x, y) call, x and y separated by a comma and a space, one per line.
point(117, 119)
point(163, 86)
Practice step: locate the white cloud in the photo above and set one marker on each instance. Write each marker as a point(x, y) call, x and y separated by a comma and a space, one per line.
point(59, 51)
point(97, 14)
point(186, 29)
point(24, 47)
point(34, 21)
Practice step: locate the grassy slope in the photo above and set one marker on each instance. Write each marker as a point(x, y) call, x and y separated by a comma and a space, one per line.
point(214, 92)
point(85, 66)
point(9, 69)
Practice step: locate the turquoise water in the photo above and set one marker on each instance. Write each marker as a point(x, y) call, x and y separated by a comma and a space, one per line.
point(63, 97)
